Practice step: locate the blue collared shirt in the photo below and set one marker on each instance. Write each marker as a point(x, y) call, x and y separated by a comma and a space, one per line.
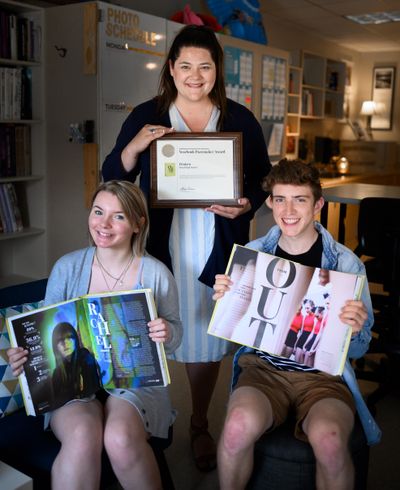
point(337, 257)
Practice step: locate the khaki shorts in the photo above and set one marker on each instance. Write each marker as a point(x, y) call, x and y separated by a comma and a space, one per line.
point(291, 390)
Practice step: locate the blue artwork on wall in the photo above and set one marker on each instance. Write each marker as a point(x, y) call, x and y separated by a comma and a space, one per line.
point(240, 18)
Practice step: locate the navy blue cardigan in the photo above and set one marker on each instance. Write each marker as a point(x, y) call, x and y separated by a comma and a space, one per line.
point(256, 165)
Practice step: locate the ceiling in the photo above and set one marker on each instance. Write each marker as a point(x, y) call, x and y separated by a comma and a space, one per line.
point(324, 18)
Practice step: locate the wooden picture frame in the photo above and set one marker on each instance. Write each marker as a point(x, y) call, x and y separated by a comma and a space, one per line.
point(383, 83)
point(196, 170)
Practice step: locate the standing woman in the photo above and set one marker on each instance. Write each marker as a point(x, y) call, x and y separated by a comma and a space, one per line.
point(194, 243)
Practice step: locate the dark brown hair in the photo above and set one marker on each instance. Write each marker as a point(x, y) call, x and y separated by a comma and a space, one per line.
point(293, 172)
point(196, 37)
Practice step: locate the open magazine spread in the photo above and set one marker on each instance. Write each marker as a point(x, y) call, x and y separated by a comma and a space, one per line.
point(81, 345)
point(286, 309)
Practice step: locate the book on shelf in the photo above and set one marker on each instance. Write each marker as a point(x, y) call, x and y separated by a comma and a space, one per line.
point(7, 150)
point(290, 144)
point(16, 215)
point(307, 107)
point(15, 93)
point(3, 223)
point(78, 346)
point(13, 51)
point(2, 92)
point(20, 37)
point(26, 93)
point(5, 211)
point(9, 208)
point(23, 153)
point(4, 35)
point(15, 150)
point(272, 297)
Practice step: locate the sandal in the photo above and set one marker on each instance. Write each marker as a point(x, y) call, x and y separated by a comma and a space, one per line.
point(206, 461)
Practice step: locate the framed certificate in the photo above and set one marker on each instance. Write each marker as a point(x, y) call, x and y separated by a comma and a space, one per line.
point(195, 170)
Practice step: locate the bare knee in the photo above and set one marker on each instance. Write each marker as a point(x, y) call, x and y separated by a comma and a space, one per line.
point(84, 437)
point(239, 430)
point(124, 446)
point(330, 444)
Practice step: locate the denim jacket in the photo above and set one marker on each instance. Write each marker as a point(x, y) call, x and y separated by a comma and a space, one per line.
point(337, 257)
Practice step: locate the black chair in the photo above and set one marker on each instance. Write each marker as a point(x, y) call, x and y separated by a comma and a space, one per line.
point(283, 462)
point(379, 244)
point(378, 239)
point(24, 444)
point(28, 292)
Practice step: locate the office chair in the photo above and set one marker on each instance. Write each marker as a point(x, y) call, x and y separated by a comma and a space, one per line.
point(379, 240)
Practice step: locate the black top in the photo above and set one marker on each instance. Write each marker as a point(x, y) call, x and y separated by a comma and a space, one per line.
point(82, 378)
point(311, 258)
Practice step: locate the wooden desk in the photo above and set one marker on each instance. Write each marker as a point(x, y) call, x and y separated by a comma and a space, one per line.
point(353, 194)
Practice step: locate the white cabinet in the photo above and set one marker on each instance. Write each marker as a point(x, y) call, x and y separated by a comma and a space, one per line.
point(23, 253)
point(102, 60)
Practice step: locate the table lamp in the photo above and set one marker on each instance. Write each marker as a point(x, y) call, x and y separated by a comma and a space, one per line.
point(342, 165)
point(368, 109)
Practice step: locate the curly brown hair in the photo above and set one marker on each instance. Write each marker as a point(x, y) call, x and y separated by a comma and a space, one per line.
point(293, 172)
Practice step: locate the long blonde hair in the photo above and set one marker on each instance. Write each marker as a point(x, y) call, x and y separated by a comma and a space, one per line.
point(134, 206)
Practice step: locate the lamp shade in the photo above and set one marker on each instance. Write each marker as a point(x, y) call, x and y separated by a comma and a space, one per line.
point(368, 108)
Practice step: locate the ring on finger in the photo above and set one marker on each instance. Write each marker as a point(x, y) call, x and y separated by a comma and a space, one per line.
point(152, 130)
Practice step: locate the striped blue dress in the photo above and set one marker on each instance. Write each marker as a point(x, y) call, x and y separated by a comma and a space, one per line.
point(190, 244)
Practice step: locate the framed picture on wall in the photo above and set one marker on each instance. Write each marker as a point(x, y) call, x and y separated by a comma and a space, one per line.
point(382, 94)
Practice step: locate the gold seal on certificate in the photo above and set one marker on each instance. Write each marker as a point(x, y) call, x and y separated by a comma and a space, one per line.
point(192, 170)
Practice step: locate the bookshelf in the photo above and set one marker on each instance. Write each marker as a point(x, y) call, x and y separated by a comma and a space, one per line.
point(335, 81)
point(316, 92)
point(22, 142)
point(323, 86)
point(293, 111)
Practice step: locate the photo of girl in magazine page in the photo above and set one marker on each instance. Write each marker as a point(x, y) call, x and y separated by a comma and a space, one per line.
point(76, 374)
